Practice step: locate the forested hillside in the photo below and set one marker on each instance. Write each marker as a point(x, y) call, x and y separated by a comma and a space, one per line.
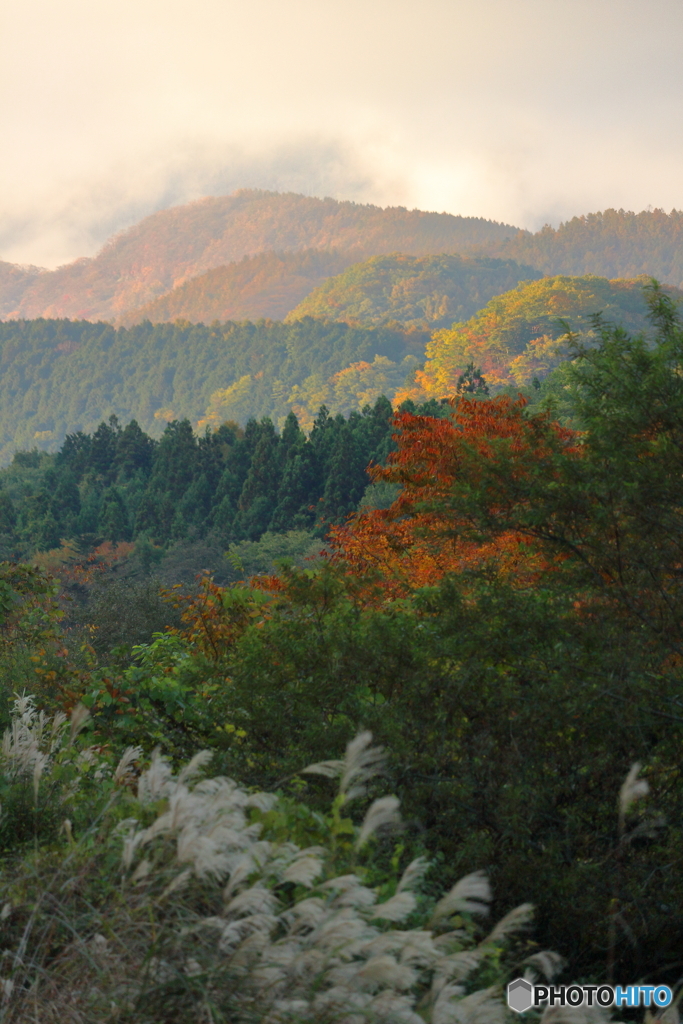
point(519, 337)
point(259, 287)
point(615, 243)
point(423, 292)
point(60, 376)
point(166, 248)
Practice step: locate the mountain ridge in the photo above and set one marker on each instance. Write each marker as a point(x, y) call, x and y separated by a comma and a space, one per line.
point(145, 261)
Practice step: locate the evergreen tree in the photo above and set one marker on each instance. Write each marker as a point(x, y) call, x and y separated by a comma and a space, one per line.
point(114, 523)
point(259, 493)
point(346, 478)
point(134, 451)
point(300, 490)
point(102, 455)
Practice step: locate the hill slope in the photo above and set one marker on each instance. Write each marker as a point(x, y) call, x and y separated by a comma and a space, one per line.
point(518, 336)
point(165, 249)
point(615, 243)
point(14, 281)
point(259, 287)
point(418, 291)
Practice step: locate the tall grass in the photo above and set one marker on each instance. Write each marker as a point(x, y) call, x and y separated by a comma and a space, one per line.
point(165, 897)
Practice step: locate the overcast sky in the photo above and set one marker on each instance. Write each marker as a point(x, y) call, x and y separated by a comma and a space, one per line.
point(527, 111)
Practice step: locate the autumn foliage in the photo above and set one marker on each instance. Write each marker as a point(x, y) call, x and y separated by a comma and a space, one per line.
point(420, 538)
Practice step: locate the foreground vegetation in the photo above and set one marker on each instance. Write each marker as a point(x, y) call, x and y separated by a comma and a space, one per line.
point(181, 898)
point(508, 624)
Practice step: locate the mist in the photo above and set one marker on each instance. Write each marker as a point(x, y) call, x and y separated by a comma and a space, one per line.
point(526, 112)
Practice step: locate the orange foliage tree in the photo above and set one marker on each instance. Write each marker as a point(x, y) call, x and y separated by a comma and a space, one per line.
point(419, 539)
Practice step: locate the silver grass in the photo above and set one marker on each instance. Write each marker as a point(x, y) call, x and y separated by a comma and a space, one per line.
point(38, 769)
point(413, 874)
point(332, 956)
point(385, 972)
point(392, 1009)
point(306, 914)
point(350, 892)
point(330, 769)
point(194, 766)
point(547, 963)
point(256, 900)
point(456, 967)
point(381, 814)
point(470, 895)
point(122, 771)
point(418, 948)
point(79, 717)
point(303, 871)
point(632, 790)
point(361, 764)
point(396, 908)
point(153, 783)
point(513, 921)
point(262, 801)
point(142, 871)
point(177, 883)
point(482, 1007)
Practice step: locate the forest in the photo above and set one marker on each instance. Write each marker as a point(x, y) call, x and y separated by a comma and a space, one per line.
point(62, 376)
point(298, 695)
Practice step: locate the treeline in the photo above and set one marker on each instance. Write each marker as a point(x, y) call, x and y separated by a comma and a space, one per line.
point(613, 243)
point(119, 484)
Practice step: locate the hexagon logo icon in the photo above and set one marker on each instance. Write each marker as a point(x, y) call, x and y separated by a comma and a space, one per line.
point(520, 995)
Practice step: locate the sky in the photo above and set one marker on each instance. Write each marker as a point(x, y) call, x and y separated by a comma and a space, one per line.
point(522, 111)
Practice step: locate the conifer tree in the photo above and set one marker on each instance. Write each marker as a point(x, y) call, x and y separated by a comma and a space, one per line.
point(259, 493)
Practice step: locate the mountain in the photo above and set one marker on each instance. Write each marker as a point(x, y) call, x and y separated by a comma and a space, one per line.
point(165, 249)
point(14, 281)
point(520, 336)
point(611, 244)
point(259, 287)
point(425, 292)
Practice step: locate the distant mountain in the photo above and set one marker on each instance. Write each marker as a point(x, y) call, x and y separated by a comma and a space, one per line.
point(615, 243)
point(14, 281)
point(425, 292)
point(144, 262)
point(259, 287)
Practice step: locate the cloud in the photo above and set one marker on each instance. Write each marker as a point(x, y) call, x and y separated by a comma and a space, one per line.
point(76, 216)
point(518, 110)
